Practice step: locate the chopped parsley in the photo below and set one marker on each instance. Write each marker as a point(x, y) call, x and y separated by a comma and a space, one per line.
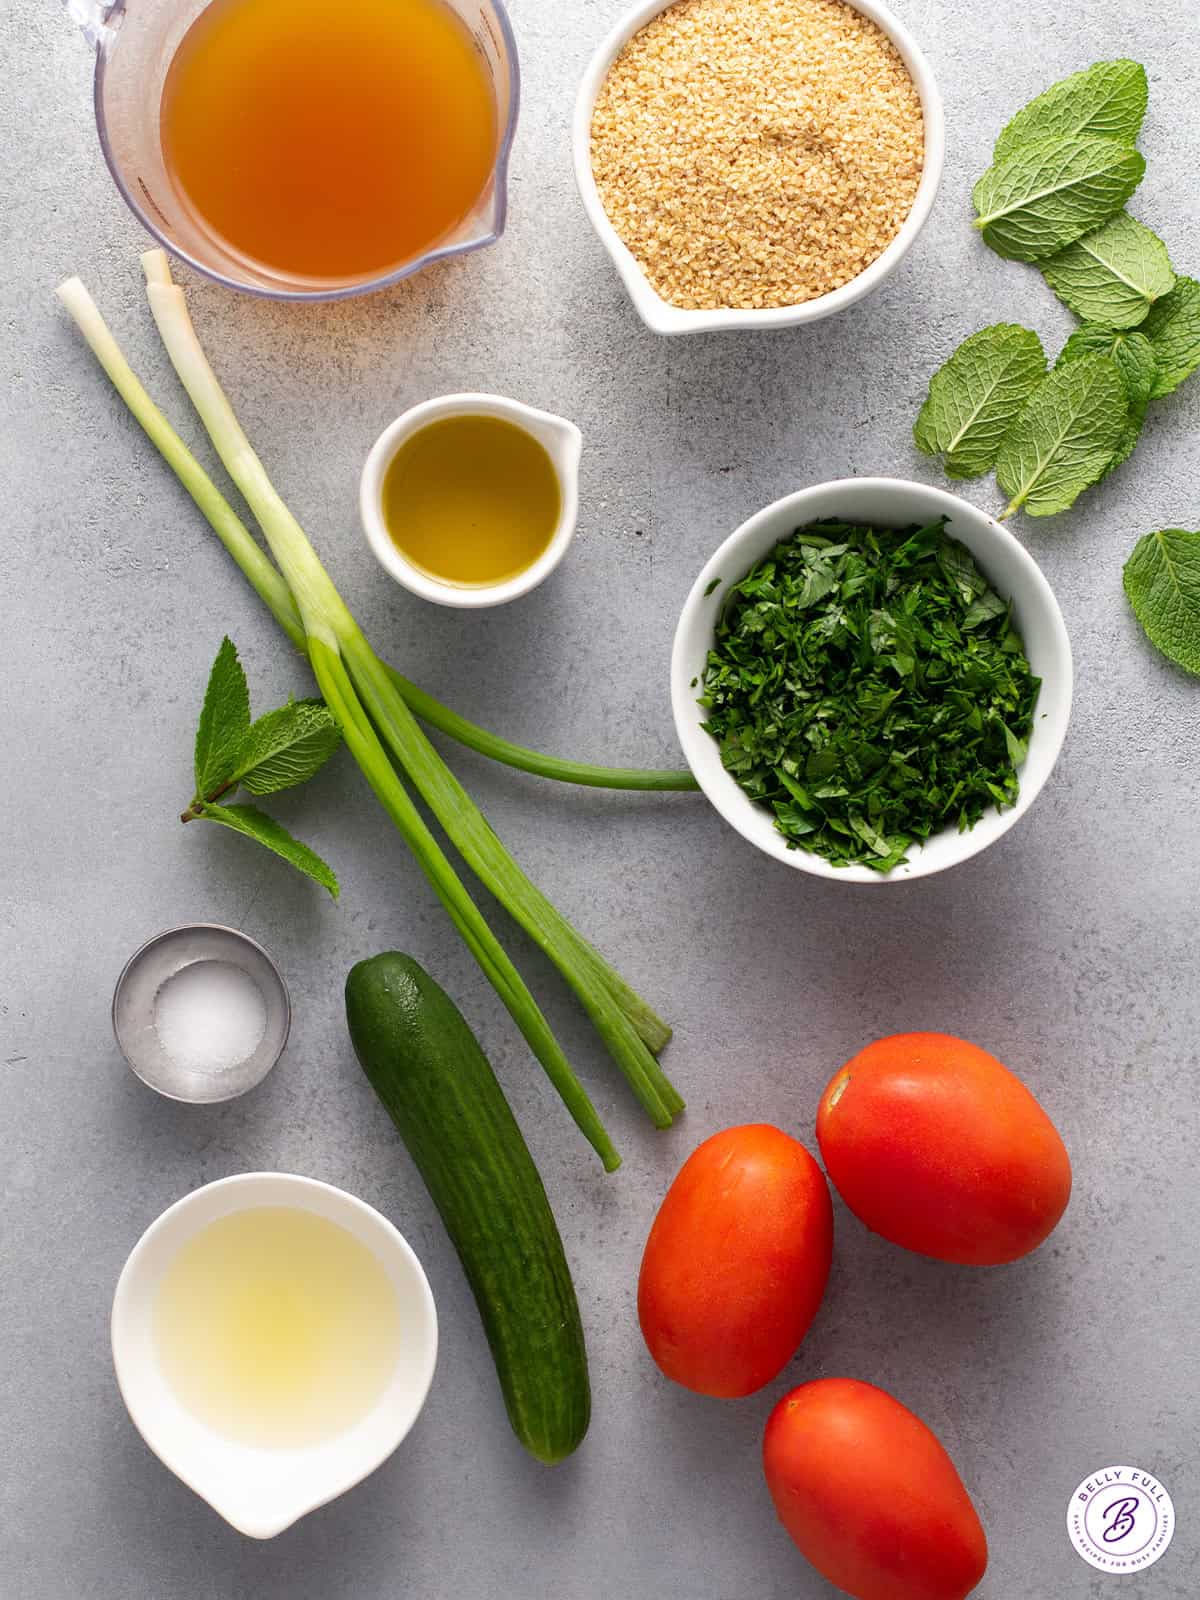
point(868, 686)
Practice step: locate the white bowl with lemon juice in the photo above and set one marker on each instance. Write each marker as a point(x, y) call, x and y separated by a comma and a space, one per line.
point(274, 1340)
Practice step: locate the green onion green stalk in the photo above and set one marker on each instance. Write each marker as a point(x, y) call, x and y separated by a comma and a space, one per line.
point(377, 709)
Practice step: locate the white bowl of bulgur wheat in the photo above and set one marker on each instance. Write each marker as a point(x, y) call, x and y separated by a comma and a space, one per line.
point(756, 163)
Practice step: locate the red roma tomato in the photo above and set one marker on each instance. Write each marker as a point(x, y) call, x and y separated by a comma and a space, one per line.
point(736, 1262)
point(936, 1146)
point(869, 1495)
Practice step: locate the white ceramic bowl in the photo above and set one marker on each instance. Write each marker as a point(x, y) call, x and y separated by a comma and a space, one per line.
point(884, 502)
point(562, 442)
point(654, 311)
point(262, 1492)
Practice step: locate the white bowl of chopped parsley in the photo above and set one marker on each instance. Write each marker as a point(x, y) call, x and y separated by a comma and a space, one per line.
point(871, 680)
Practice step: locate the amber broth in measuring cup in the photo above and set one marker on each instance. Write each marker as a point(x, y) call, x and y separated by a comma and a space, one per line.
point(327, 143)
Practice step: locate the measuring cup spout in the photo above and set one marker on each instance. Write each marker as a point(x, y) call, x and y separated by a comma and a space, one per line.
point(92, 17)
point(498, 217)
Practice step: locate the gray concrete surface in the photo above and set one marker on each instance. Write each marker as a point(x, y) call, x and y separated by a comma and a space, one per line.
point(1069, 949)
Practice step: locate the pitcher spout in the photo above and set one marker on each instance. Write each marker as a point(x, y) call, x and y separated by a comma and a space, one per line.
point(261, 1515)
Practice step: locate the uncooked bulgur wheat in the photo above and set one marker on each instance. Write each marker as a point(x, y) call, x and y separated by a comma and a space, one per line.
point(756, 153)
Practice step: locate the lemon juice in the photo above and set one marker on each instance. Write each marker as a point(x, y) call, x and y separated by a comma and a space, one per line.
point(276, 1327)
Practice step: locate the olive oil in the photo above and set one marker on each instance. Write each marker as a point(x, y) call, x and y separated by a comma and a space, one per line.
point(276, 1327)
point(471, 500)
point(328, 143)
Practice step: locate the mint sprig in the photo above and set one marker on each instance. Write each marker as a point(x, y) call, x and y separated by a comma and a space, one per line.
point(1061, 171)
point(282, 748)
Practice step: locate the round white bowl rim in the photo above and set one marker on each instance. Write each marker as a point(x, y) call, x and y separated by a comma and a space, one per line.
point(404, 1417)
point(558, 435)
point(737, 554)
point(658, 314)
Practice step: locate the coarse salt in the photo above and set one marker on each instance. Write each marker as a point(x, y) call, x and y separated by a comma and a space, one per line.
point(210, 1016)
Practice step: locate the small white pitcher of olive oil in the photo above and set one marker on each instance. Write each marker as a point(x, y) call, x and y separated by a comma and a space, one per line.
point(274, 1340)
point(472, 499)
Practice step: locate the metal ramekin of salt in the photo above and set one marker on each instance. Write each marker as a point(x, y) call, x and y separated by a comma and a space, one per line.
point(201, 1013)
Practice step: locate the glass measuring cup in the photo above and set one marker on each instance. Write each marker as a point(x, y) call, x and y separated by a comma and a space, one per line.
point(135, 42)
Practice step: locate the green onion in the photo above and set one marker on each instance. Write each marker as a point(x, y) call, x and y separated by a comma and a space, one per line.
point(374, 707)
point(542, 766)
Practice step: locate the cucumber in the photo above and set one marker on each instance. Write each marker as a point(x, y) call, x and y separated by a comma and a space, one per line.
point(426, 1066)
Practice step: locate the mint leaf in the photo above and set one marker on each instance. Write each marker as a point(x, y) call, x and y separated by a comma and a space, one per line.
point(1129, 348)
point(1047, 194)
point(224, 719)
point(1134, 356)
point(1113, 275)
point(1065, 438)
point(1162, 580)
point(976, 396)
point(1173, 329)
point(286, 747)
point(256, 824)
point(1108, 99)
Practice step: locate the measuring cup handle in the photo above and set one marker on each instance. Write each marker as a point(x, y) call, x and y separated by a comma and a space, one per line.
point(92, 17)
